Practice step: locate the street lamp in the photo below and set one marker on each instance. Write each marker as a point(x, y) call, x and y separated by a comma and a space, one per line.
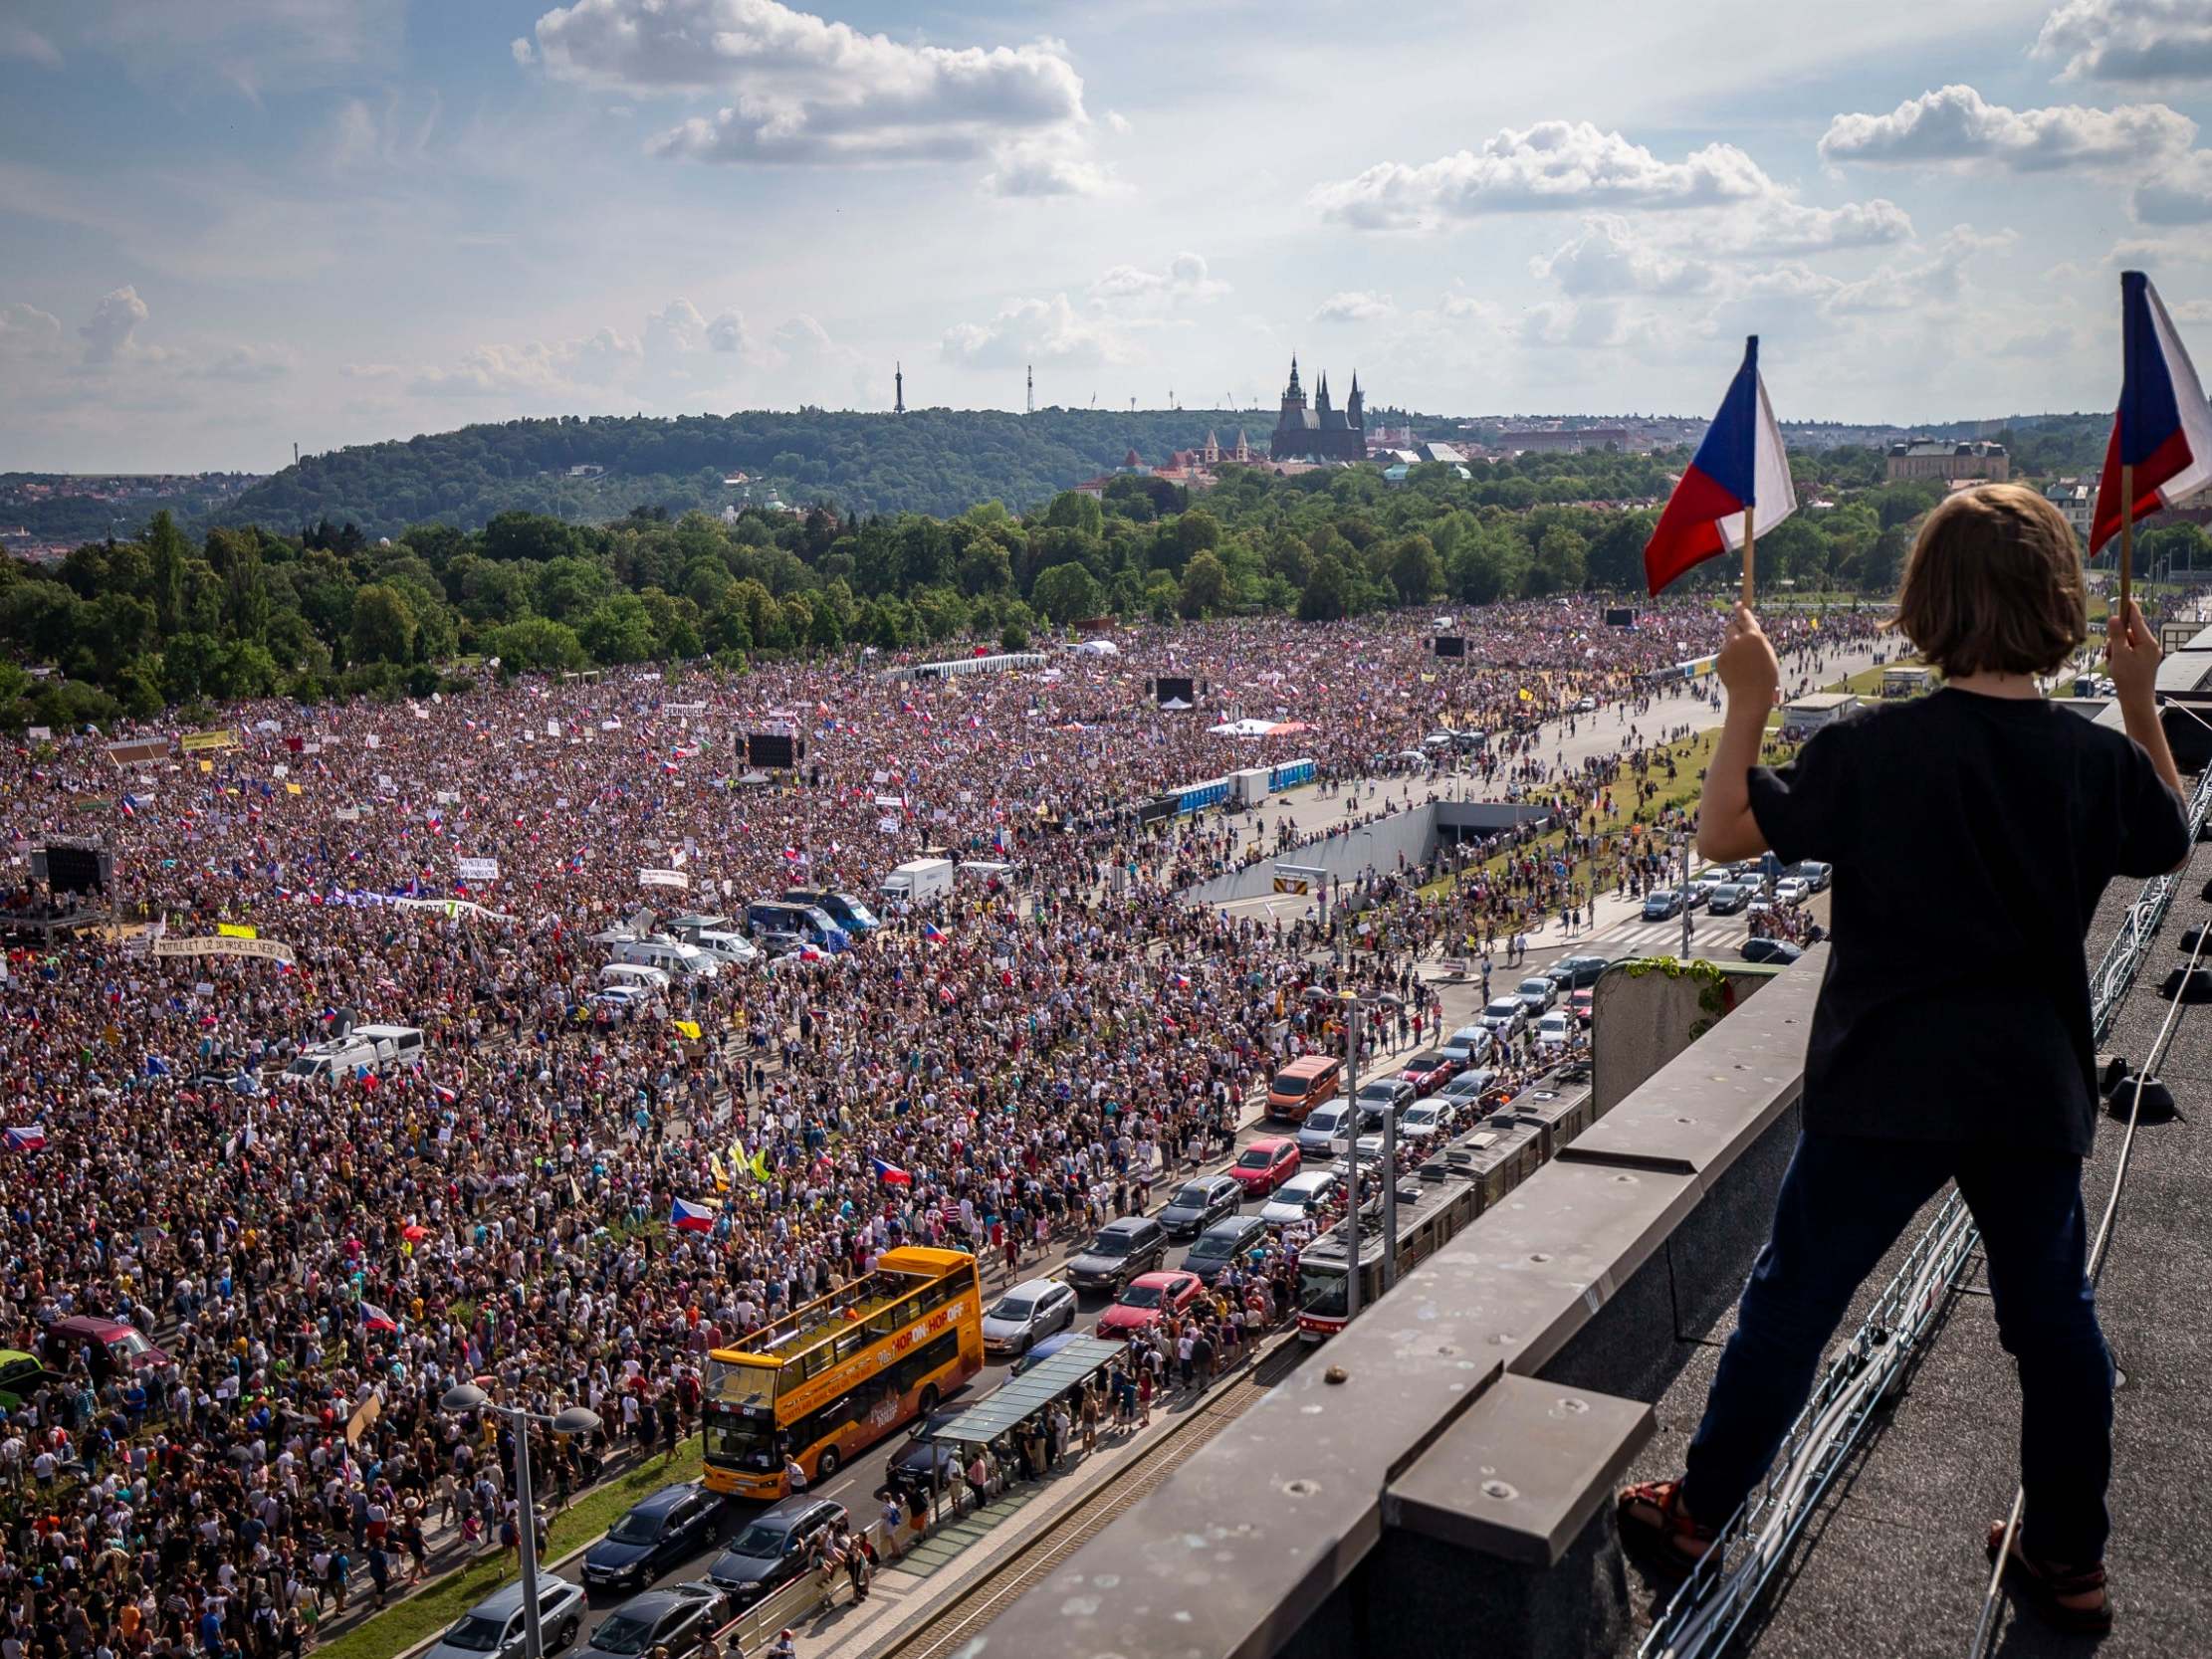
point(1355, 1005)
point(577, 1419)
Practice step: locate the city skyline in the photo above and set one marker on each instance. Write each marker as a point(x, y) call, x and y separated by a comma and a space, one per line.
point(240, 224)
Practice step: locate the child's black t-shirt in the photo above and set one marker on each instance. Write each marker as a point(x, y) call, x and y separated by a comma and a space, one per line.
point(1971, 838)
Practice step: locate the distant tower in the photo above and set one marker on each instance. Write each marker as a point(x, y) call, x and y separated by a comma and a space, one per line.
point(898, 395)
point(1030, 405)
point(295, 455)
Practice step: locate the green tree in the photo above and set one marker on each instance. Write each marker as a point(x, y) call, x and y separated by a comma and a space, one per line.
point(1325, 597)
point(1072, 510)
point(1415, 570)
point(618, 630)
point(536, 644)
point(1067, 592)
point(1204, 590)
point(1560, 563)
point(385, 626)
point(166, 552)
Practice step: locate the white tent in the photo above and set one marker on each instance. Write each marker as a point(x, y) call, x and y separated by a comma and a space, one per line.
point(1246, 727)
point(1177, 703)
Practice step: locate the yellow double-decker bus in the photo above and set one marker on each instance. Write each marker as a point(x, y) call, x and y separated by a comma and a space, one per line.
point(833, 1376)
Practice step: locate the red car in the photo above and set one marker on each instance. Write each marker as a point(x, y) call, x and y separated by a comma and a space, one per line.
point(1578, 1004)
point(1266, 1165)
point(1429, 1071)
point(1149, 1297)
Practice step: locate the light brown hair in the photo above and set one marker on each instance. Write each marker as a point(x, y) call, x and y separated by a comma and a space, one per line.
point(1994, 585)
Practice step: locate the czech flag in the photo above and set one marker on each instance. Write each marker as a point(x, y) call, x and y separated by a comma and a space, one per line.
point(27, 1139)
point(2163, 428)
point(890, 1174)
point(932, 931)
point(691, 1218)
point(1739, 465)
point(375, 1318)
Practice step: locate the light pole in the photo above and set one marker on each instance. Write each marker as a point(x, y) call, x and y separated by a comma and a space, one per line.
point(1682, 841)
point(1355, 1007)
point(577, 1419)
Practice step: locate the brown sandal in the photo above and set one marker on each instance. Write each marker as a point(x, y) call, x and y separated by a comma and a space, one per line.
point(1654, 1522)
point(2057, 1593)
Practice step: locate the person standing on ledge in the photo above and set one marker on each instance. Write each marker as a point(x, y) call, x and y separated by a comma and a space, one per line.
point(1986, 817)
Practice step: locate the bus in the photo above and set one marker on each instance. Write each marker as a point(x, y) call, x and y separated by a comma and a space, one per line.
point(839, 1374)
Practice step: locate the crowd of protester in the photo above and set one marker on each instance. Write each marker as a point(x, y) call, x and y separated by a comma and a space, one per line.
point(317, 1263)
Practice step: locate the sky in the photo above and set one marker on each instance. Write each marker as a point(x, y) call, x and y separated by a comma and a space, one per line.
point(232, 226)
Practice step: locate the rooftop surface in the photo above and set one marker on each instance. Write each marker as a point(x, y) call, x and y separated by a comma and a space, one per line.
point(1895, 1557)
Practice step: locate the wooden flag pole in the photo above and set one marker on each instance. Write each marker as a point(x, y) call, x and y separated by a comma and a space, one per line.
point(2127, 537)
point(1748, 554)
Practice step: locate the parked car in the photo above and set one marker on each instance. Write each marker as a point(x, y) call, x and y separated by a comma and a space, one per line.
point(1556, 1029)
point(1466, 1088)
point(1663, 903)
point(1034, 1309)
point(1149, 1297)
point(1117, 1253)
point(672, 1620)
point(1264, 1164)
point(1792, 890)
point(1582, 1005)
point(1779, 951)
point(927, 1465)
point(494, 1626)
point(772, 1550)
point(1569, 972)
point(1222, 1243)
point(657, 1532)
point(1504, 1016)
point(1468, 1044)
point(1300, 1196)
point(1198, 1205)
point(1369, 1131)
point(109, 1342)
point(1429, 1069)
point(1727, 898)
point(1385, 1094)
point(1537, 994)
point(1813, 873)
point(1321, 1126)
point(1304, 1084)
point(1424, 1119)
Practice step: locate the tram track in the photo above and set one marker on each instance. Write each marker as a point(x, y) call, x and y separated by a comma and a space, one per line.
point(951, 1628)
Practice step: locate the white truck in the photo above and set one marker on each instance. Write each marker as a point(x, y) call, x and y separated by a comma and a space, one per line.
point(919, 881)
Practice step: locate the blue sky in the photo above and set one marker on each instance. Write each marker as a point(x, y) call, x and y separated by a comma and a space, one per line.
point(231, 225)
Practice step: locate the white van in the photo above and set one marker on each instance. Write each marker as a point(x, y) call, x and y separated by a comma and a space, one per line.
point(365, 1046)
point(636, 975)
point(401, 1043)
point(725, 947)
point(674, 959)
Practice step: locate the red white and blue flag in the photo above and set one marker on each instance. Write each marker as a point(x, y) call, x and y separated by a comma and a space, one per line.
point(691, 1218)
point(1740, 465)
point(26, 1139)
point(375, 1318)
point(890, 1174)
point(2162, 428)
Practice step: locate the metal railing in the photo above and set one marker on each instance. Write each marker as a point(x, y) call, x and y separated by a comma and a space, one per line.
point(1706, 1613)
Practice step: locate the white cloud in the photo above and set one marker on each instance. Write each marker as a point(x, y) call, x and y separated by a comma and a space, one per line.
point(2179, 194)
point(534, 368)
point(804, 89)
point(1188, 278)
point(107, 334)
point(20, 40)
point(1957, 123)
point(1788, 227)
point(1551, 165)
point(25, 331)
point(252, 362)
point(2150, 41)
point(1588, 325)
point(1608, 259)
point(1354, 306)
point(1036, 331)
point(522, 50)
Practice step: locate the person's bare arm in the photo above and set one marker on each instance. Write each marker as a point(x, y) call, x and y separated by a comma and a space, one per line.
point(2133, 657)
point(1747, 668)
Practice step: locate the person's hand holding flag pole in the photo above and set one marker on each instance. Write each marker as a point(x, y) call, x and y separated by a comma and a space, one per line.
point(1737, 487)
point(2160, 450)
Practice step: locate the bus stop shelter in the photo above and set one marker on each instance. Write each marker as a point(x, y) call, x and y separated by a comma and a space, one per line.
point(1015, 1401)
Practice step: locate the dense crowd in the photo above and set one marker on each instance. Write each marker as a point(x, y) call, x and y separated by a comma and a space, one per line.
point(318, 1263)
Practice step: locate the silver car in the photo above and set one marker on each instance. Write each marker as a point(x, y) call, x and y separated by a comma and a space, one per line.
point(1026, 1315)
point(492, 1628)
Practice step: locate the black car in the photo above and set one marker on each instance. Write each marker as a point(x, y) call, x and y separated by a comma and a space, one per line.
point(1728, 898)
point(677, 1618)
point(1779, 951)
point(1662, 905)
point(660, 1531)
point(1198, 1205)
point(1117, 1253)
point(1571, 973)
point(923, 1464)
point(1227, 1242)
point(772, 1551)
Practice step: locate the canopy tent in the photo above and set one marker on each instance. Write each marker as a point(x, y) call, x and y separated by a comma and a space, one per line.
point(1250, 726)
point(1176, 702)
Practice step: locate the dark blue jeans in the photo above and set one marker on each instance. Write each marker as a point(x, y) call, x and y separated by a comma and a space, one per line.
point(1843, 1203)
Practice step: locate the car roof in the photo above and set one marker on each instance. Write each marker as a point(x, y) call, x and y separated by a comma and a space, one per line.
point(786, 1511)
point(507, 1602)
point(1163, 1277)
point(1306, 1180)
point(1267, 1143)
point(653, 1603)
point(1230, 1227)
point(1307, 1064)
point(1127, 1224)
point(1035, 1288)
point(667, 1498)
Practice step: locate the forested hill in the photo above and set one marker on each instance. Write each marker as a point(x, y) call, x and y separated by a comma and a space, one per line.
point(936, 461)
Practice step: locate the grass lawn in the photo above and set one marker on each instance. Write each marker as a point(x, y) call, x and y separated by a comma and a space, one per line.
point(430, 1610)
